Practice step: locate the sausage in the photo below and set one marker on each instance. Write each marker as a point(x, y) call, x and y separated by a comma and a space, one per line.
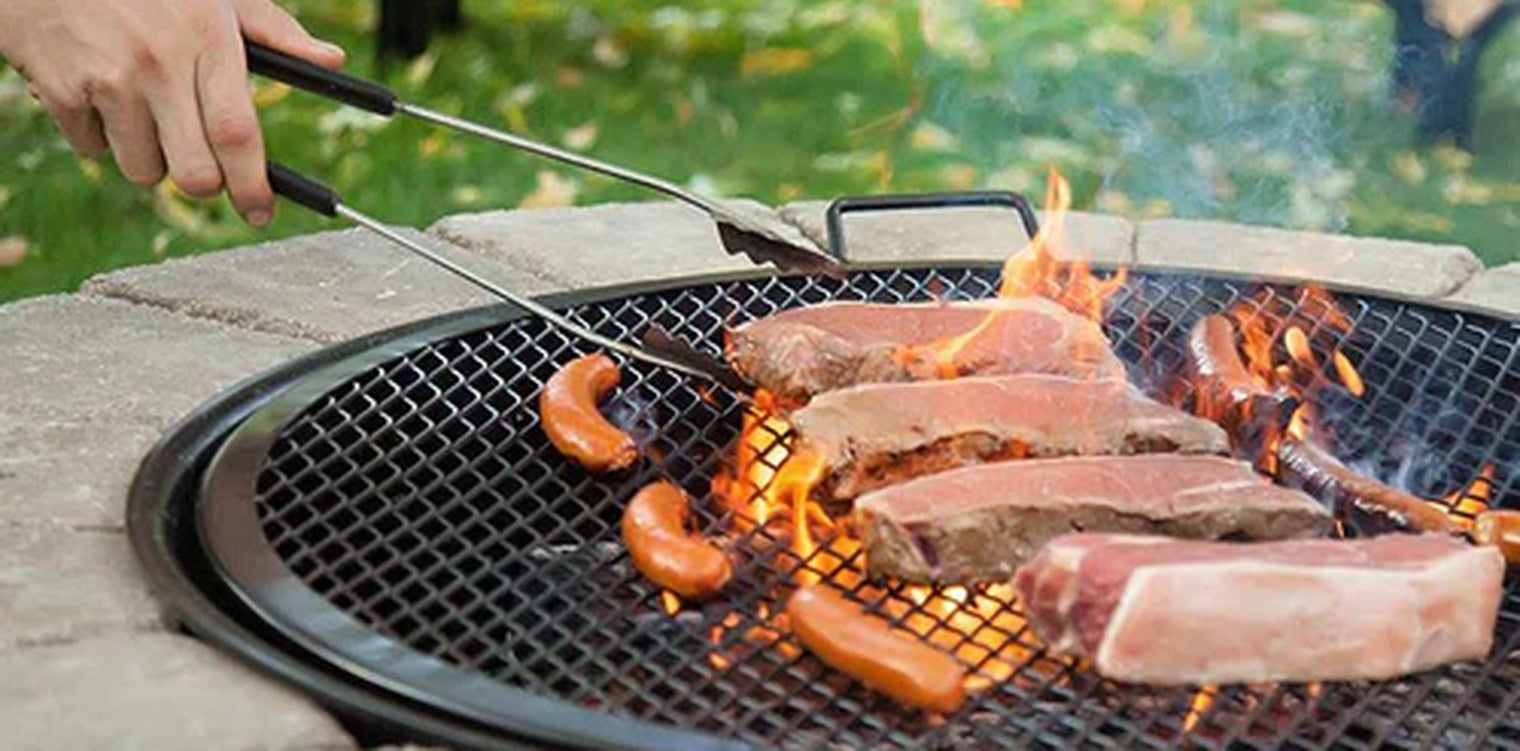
point(1502, 530)
point(1354, 496)
point(654, 531)
point(1227, 392)
point(866, 648)
point(567, 409)
point(1211, 343)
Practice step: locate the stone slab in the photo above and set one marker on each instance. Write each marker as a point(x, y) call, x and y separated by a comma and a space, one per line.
point(151, 692)
point(1396, 267)
point(1495, 291)
point(596, 246)
point(59, 585)
point(90, 383)
point(327, 287)
point(962, 234)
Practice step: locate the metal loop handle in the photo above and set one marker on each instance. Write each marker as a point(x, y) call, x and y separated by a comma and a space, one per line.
point(859, 204)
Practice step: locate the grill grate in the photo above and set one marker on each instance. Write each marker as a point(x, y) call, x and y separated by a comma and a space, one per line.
point(422, 499)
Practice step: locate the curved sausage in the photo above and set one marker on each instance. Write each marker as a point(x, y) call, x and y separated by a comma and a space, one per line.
point(654, 531)
point(1251, 414)
point(866, 648)
point(567, 409)
point(1502, 530)
point(1325, 478)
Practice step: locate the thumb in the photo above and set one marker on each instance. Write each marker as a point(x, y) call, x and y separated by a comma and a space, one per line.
point(266, 23)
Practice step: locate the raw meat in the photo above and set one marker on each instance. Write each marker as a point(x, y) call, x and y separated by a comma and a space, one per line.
point(805, 351)
point(980, 523)
point(875, 435)
point(1163, 611)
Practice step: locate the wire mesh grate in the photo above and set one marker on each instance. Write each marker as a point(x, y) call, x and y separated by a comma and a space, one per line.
point(422, 499)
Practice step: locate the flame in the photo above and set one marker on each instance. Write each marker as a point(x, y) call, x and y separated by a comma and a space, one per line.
point(1035, 270)
point(1277, 345)
point(1464, 504)
point(1202, 700)
point(1348, 375)
point(670, 601)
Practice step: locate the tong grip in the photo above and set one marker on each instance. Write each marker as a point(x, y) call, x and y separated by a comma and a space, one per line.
point(366, 95)
point(300, 189)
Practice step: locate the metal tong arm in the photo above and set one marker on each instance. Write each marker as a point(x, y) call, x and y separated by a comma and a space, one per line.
point(380, 100)
point(324, 200)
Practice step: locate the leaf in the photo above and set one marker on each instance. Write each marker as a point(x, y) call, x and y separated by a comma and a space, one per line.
point(609, 52)
point(931, 137)
point(582, 136)
point(266, 94)
point(552, 191)
point(12, 251)
point(775, 61)
point(421, 70)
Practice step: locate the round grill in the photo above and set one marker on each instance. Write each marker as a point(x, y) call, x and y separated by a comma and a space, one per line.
point(404, 517)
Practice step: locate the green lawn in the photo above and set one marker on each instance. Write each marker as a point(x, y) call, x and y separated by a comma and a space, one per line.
point(1266, 112)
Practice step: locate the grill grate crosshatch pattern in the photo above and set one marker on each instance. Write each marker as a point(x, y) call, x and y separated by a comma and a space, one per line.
point(422, 499)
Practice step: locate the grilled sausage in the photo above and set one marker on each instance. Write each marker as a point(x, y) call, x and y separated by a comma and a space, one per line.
point(1357, 497)
point(1500, 529)
point(864, 647)
point(567, 409)
point(1251, 414)
point(654, 531)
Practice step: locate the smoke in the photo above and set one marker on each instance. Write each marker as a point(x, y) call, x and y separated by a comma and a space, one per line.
point(1225, 110)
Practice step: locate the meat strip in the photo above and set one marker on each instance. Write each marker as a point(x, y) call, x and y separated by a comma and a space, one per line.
point(875, 435)
point(1161, 611)
point(806, 351)
point(980, 523)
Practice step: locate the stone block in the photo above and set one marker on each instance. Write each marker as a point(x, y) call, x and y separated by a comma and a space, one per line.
point(596, 246)
point(59, 585)
point(152, 692)
point(1362, 264)
point(987, 234)
point(89, 385)
point(327, 287)
point(1495, 291)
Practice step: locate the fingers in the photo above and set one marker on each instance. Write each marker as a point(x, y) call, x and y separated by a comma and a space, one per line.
point(191, 163)
point(266, 23)
point(232, 130)
point(130, 132)
point(82, 127)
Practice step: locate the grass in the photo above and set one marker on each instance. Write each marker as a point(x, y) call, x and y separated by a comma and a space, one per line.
point(1265, 112)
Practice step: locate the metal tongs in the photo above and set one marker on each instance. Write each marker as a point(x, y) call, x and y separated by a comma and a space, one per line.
point(753, 234)
point(738, 231)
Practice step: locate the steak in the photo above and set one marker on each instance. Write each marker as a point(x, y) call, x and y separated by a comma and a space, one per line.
point(980, 523)
point(1155, 610)
point(875, 435)
point(806, 351)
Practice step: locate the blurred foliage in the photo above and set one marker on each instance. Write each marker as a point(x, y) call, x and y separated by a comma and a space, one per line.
point(1266, 112)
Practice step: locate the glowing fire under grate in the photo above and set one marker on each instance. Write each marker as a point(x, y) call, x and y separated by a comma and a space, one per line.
point(421, 499)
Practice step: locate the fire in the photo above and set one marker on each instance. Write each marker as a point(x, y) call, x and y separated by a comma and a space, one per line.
point(1036, 270)
point(670, 601)
point(1464, 504)
point(1202, 700)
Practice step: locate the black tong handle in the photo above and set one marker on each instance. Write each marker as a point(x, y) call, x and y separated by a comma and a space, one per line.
point(303, 190)
point(366, 95)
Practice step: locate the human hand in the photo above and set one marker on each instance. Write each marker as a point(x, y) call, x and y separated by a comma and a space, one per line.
point(162, 83)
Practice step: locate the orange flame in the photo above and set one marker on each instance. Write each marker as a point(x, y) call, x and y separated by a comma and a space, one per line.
point(670, 601)
point(1464, 504)
point(1202, 700)
point(1036, 270)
